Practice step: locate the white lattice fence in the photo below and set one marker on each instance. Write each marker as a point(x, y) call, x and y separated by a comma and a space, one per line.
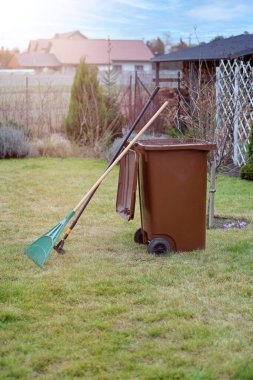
point(234, 95)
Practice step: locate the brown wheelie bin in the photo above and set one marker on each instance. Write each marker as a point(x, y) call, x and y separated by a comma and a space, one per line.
point(171, 176)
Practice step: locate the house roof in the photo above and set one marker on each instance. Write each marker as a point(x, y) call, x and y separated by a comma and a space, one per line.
point(67, 35)
point(69, 48)
point(43, 44)
point(32, 45)
point(39, 45)
point(227, 48)
point(96, 51)
point(33, 60)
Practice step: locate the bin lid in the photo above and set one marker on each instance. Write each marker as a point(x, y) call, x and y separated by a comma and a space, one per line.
point(127, 184)
point(174, 144)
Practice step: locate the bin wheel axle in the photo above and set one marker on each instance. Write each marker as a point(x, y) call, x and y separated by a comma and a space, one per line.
point(158, 246)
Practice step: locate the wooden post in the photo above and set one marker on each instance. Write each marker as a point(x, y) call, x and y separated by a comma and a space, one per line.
point(211, 196)
point(236, 116)
point(26, 102)
point(157, 70)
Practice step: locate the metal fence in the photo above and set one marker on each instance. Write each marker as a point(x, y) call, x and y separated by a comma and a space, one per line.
point(39, 102)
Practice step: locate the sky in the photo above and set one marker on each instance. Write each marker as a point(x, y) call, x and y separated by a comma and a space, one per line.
point(194, 21)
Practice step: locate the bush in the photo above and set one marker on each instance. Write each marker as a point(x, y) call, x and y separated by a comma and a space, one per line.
point(247, 170)
point(13, 143)
point(177, 134)
point(55, 145)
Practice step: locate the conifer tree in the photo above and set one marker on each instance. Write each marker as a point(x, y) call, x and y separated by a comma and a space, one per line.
point(86, 121)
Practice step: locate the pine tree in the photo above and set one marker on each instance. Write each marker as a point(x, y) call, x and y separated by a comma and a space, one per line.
point(87, 116)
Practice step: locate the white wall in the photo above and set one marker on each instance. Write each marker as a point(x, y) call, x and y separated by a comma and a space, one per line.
point(129, 66)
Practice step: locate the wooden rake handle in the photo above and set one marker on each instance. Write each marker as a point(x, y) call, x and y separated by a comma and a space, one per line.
point(120, 156)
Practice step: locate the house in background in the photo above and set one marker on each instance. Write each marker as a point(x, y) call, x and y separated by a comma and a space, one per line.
point(36, 61)
point(123, 55)
point(39, 46)
point(43, 45)
point(64, 51)
point(71, 35)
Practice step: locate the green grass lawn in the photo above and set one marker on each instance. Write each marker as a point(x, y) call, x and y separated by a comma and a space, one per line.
point(107, 309)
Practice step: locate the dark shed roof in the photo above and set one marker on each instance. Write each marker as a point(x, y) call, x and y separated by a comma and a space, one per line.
point(227, 48)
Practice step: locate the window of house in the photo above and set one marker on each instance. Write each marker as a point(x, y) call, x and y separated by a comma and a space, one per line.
point(138, 67)
point(117, 68)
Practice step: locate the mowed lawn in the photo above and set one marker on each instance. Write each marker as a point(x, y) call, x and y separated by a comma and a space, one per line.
point(107, 309)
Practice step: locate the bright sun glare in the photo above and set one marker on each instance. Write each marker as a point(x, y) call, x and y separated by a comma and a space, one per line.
point(20, 17)
point(21, 12)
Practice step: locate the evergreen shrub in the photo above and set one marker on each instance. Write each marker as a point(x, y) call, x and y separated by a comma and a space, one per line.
point(87, 115)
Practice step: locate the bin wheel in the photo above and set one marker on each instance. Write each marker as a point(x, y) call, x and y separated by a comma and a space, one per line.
point(158, 246)
point(138, 237)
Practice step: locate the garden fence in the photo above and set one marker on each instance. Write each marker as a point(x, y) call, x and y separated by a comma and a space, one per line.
point(37, 103)
point(234, 95)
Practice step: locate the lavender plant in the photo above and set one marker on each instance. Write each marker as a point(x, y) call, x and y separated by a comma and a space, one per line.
point(13, 143)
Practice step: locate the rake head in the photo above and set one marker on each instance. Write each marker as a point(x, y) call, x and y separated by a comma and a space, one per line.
point(39, 250)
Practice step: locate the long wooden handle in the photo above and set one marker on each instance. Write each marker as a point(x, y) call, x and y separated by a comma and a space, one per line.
point(121, 155)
